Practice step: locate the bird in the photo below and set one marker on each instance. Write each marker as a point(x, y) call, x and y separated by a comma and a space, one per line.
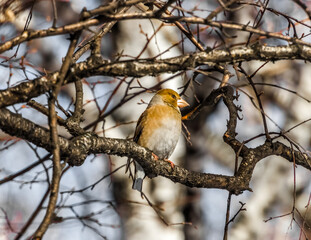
point(158, 129)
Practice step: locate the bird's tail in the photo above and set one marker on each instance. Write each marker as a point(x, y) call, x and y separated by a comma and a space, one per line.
point(139, 177)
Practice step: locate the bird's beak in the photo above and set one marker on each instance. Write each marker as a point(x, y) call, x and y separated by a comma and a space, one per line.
point(182, 103)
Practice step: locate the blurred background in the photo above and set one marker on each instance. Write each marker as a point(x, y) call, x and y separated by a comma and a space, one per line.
point(110, 209)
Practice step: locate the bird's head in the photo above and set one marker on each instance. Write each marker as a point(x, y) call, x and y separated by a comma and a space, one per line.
point(169, 97)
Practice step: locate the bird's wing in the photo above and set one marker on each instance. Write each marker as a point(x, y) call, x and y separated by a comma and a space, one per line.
point(140, 126)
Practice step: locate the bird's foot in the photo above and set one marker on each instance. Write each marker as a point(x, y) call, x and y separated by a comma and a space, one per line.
point(155, 157)
point(172, 164)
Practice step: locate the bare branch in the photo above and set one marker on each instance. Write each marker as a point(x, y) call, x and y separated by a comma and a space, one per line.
point(76, 150)
point(143, 67)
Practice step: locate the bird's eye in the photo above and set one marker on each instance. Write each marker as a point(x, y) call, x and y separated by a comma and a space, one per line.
point(173, 96)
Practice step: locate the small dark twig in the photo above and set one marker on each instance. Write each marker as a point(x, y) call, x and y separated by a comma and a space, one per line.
point(250, 80)
point(54, 13)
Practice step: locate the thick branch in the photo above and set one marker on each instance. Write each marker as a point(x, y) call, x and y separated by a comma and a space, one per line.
point(23, 92)
point(140, 68)
point(76, 150)
point(280, 149)
point(15, 125)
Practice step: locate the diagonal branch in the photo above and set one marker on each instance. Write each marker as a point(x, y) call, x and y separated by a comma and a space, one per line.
point(30, 34)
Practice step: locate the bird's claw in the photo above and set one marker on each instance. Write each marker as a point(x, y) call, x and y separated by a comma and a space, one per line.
point(155, 157)
point(172, 164)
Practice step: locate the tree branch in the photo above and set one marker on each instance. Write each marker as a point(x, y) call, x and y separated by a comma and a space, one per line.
point(23, 92)
point(57, 169)
point(205, 21)
point(75, 151)
point(30, 34)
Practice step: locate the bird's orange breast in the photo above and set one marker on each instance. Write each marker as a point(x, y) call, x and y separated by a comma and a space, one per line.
point(161, 129)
